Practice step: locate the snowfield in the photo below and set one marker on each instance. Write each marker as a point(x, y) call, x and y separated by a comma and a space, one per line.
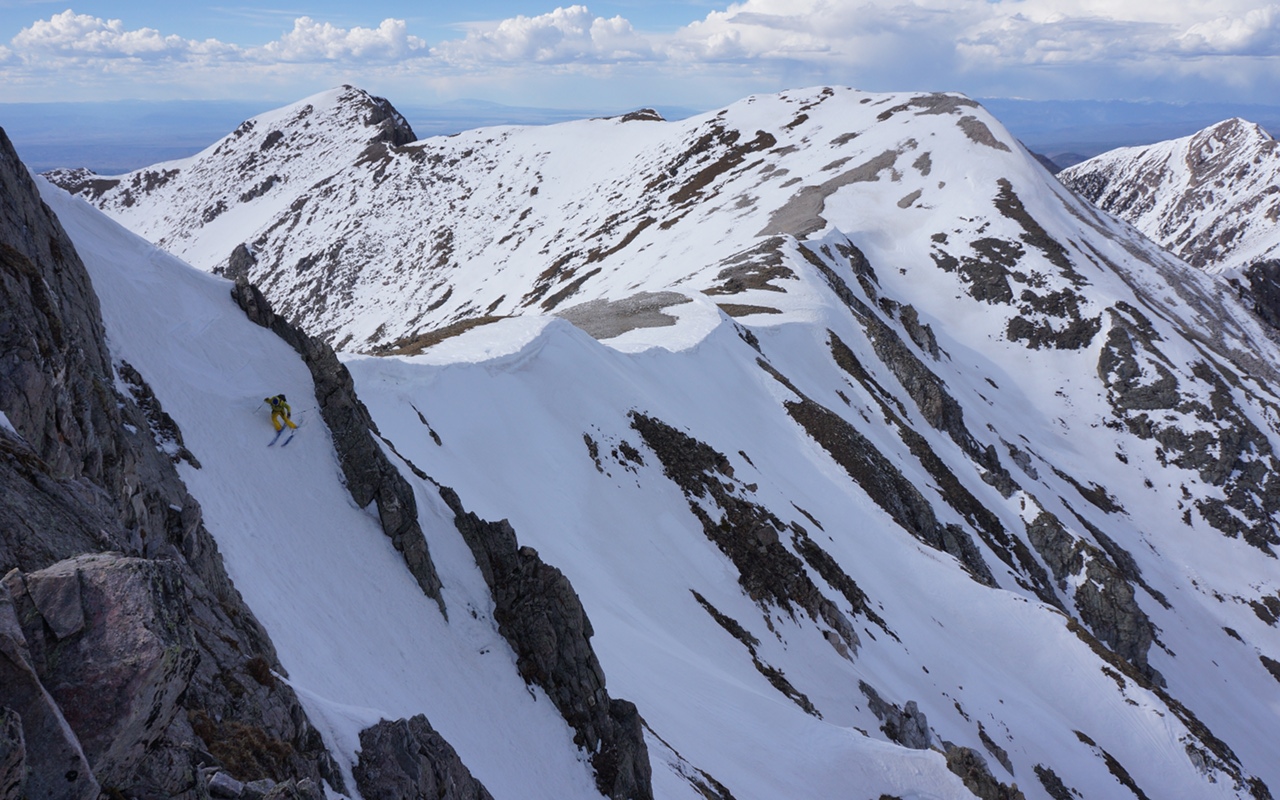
point(883, 292)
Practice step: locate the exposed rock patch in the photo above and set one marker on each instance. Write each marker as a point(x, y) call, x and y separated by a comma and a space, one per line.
point(1103, 596)
point(605, 319)
point(973, 770)
point(906, 725)
point(408, 758)
point(540, 615)
point(771, 674)
point(746, 532)
point(755, 268)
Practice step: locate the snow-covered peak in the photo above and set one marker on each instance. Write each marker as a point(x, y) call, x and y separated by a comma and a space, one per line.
point(280, 153)
point(1210, 197)
point(379, 245)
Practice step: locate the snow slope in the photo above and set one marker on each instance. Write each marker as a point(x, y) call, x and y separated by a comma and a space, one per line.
point(357, 635)
point(1212, 198)
point(918, 427)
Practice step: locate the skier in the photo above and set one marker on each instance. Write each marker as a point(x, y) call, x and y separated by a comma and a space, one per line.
point(279, 412)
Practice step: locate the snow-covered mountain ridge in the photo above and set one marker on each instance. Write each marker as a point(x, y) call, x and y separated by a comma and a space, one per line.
point(336, 222)
point(871, 452)
point(1212, 198)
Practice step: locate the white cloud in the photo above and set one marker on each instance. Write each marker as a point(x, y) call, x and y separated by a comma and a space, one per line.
point(1027, 47)
point(1256, 32)
point(320, 41)
point(81, 35)
point(561, 36)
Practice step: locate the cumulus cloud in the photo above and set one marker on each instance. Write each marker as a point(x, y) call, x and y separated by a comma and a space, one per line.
point(1255, 33)
point(970, 45)
point(320, 41)
point(82, 35)
point(561, 36)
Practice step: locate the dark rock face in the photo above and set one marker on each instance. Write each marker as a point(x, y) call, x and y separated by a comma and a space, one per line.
point(972, 769)
point(13, 756)
point(394, 128)
point(111, 640)
point(370, 476)
point(84, 474)
point(408, 758)
point(748, 533)
point(238, 265)
point(1263, 290)
point(540, 615)
point(50, 762)
point(1104, 596)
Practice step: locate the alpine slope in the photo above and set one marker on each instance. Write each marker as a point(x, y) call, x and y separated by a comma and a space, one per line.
point(1211, 198)
point(881, 463)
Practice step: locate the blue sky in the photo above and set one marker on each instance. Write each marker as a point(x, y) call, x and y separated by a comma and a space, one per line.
point(695, 53)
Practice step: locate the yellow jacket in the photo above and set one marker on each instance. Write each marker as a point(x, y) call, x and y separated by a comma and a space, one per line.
point(280, 411)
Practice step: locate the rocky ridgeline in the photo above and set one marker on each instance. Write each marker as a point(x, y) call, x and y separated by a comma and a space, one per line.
point(540, 615)
point(129, 661)
point(370, 476)
point(1209, 198)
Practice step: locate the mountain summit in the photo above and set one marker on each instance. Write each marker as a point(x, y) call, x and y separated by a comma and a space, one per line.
point(1210, 198)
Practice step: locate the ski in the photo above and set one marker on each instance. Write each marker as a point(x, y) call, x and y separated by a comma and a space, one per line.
point(275, 438)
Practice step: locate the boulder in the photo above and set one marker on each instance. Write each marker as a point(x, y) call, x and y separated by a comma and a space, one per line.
point(44, 749)
point(408, 758)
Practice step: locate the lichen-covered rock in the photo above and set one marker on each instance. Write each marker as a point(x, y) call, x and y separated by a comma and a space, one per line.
point(13, 756)
point(55, 766)
point(119, 671)
point(408, 758)
point(540, 615)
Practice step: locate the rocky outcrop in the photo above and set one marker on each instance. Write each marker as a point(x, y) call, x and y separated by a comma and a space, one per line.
point(973, 770)
point(1262, 291)
point(1104, 597)
point(50, 762)
point(747, 532)
point(370, 475)
point(540, 615)
point(81, 474)
point(906, 725)
point(408, 758)
point(110, 638)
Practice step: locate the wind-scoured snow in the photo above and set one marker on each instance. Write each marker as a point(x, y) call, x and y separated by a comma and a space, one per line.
point(1212, 198)
point(827, 288)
